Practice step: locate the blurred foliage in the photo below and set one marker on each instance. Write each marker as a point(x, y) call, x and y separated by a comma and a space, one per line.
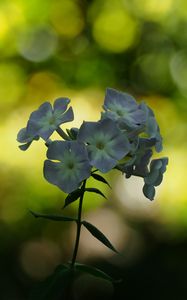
point(77, 48)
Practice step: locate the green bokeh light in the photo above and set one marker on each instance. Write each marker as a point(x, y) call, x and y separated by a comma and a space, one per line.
point(115, 30)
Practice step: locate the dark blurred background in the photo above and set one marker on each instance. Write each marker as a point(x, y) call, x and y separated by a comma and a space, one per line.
point(77, 48)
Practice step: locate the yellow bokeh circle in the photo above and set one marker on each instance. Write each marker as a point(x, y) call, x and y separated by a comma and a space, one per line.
point(115, 30)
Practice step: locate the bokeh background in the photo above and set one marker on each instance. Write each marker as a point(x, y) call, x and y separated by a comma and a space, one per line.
point(77, 48)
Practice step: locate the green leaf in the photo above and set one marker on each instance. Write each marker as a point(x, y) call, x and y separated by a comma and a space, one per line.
point(100, 178)
point(52, 217)
point(72, 197)
point(99, 235)
point(55, 287)
point(94, 190)
point(93, 271)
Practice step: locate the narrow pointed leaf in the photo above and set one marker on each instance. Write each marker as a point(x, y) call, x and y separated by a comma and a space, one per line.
point(93, 271)
point(99, 235)
point(72, 197)
point(100, 178)
point(52, 217)
point(94, 190)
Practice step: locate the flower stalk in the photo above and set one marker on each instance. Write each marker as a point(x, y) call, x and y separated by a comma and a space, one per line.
point(122, 139)
point(78, 225)
point(62, 134)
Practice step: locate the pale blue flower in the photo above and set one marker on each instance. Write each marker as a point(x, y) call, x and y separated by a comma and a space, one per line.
point(70, 166)
point(46, 119)
point(26, 139)
point(137, 165)
point(105, 143)
point(122, 108)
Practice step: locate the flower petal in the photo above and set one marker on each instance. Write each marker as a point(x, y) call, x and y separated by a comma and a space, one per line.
point(123, 108)
point(86, 131)
point(38, 123)
point(23, 137)
point(79, 150)
point(56, 150)
point(45, 120)
point(51, 171)
point(55, 173)
point(61, 104)
point(101, 160)
point(72, 168)
point(65, 117)
point(44, 110)
point(106, 143)
point(114, 98)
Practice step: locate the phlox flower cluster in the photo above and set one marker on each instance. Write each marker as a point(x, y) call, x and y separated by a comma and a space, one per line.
point(124, 138)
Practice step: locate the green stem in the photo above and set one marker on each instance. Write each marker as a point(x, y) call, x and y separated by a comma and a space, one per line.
point(62, 134)
point(78, 225)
